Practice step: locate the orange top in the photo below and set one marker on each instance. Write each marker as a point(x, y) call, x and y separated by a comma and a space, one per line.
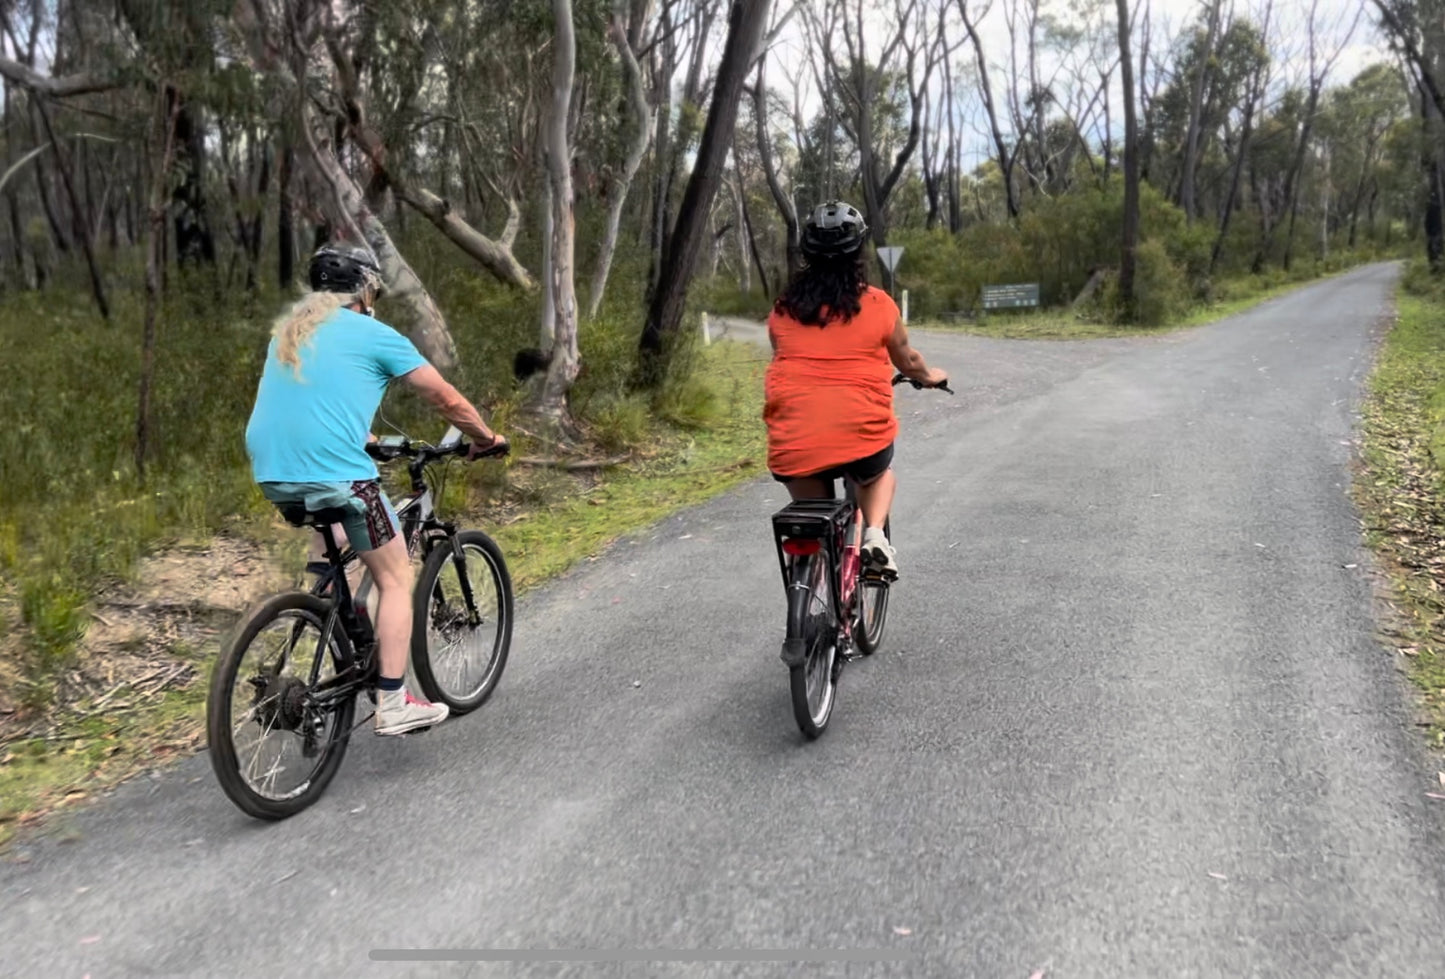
point(828, 390)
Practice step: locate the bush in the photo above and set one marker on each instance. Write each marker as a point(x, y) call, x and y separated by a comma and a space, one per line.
point(1161, 291)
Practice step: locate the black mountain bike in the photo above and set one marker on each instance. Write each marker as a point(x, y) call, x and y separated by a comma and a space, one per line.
point(837, 605)
point(283, 696)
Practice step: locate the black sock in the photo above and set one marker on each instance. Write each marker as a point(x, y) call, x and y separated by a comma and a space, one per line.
point(389, 685)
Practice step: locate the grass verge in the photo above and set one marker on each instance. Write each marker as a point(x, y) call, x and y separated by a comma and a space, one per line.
point(1400, 486)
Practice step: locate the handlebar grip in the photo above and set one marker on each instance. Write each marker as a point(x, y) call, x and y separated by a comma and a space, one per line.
point(382, 453)
point(919, 385)
point(495, 451)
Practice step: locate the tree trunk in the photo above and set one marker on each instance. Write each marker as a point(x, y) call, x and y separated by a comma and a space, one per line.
point(1005, 158)
point(637, 102)
point(564, 362)
point(195, 242)
point(1130, 236)
point(1196, 108)
point(787, 210)
point(345, 208)
point(747, 19)
point(285, 231)
point(166, 114)
point(1292, 178)
point(62, 163)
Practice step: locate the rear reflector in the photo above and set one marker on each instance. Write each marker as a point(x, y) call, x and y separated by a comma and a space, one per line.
point(802, 546)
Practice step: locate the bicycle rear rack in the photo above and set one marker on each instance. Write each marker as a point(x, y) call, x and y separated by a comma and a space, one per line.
point(821, 520)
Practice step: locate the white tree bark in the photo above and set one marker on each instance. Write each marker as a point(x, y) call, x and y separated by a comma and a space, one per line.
point(641, 137)
point(565, 361)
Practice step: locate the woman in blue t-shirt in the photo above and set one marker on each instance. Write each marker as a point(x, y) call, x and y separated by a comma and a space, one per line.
point(327, 368)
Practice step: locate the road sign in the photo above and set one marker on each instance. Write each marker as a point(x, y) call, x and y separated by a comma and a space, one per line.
point(889, 256)
point(1011, 296)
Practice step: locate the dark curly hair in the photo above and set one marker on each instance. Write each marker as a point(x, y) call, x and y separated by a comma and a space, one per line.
point(825, 289)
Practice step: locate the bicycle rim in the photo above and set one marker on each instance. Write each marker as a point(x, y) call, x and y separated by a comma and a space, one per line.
point(273, 751)
point(457, 662)
point(813, 683)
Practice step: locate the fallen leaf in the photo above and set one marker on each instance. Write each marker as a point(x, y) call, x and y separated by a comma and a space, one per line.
point(1217, 876)
point(901, 930)
point(90, 940)
point(360, 808)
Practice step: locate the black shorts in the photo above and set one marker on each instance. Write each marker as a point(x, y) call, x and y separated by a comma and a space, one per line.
point(861, 471)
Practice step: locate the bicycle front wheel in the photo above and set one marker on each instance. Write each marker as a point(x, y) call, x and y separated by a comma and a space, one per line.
point(811, 619)
point(462, 622)
point(272, 747)
point(871, 608)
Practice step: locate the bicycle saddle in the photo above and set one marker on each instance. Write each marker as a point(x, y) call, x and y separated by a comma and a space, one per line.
point(297, 515)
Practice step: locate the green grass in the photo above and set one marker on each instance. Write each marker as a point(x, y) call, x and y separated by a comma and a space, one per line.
point(1401, 484)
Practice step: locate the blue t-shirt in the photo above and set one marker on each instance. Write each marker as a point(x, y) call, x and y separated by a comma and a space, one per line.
point(313, 428)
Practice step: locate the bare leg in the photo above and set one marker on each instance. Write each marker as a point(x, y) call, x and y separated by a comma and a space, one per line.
point(807, 488)
point(876, 498)
point(391, 572)
point(317, 553)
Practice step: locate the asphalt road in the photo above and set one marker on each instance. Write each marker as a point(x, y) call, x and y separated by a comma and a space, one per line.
point(1131, 719)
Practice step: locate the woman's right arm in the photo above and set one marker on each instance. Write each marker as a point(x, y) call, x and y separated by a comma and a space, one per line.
point(910, 361)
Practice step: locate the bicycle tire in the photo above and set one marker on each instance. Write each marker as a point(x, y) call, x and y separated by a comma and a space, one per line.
point(813, 683)
point(868, 628)
point(220, 726)
point(436, 605)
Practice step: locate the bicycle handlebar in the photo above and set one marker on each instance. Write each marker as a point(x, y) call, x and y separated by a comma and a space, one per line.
point(424, 453)
point(901, 377)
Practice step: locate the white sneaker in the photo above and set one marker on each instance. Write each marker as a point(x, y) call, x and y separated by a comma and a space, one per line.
point(878, 552)
point(400, 712)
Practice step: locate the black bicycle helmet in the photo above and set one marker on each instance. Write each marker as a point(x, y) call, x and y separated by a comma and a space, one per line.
point(344, 268)
point(835, 228)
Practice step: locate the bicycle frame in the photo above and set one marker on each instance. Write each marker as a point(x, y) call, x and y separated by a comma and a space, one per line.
point(422, 531)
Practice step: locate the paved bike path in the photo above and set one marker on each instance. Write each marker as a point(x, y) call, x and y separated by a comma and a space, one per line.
point(1130, 720)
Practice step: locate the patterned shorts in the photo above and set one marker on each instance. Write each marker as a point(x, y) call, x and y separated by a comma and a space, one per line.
point(369, 518)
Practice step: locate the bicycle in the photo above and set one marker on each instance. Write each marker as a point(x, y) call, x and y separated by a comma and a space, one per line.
point(295, 668)
point(836, 604)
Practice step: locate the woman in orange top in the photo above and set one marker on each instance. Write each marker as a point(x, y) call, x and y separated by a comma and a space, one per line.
point(829, 391)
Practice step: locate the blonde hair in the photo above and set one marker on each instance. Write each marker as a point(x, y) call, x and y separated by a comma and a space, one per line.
point(293, 328)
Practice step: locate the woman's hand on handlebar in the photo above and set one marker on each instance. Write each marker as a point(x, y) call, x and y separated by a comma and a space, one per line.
point(498, 446)
point(932, 378)
point(935, 378)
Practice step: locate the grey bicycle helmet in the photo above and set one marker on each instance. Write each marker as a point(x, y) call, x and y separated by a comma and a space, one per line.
point(834, 228)
point(344, 268)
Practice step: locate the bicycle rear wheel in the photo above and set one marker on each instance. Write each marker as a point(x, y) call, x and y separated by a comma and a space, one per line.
point(459, 658)
point(812, 620)
point(272, 749)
